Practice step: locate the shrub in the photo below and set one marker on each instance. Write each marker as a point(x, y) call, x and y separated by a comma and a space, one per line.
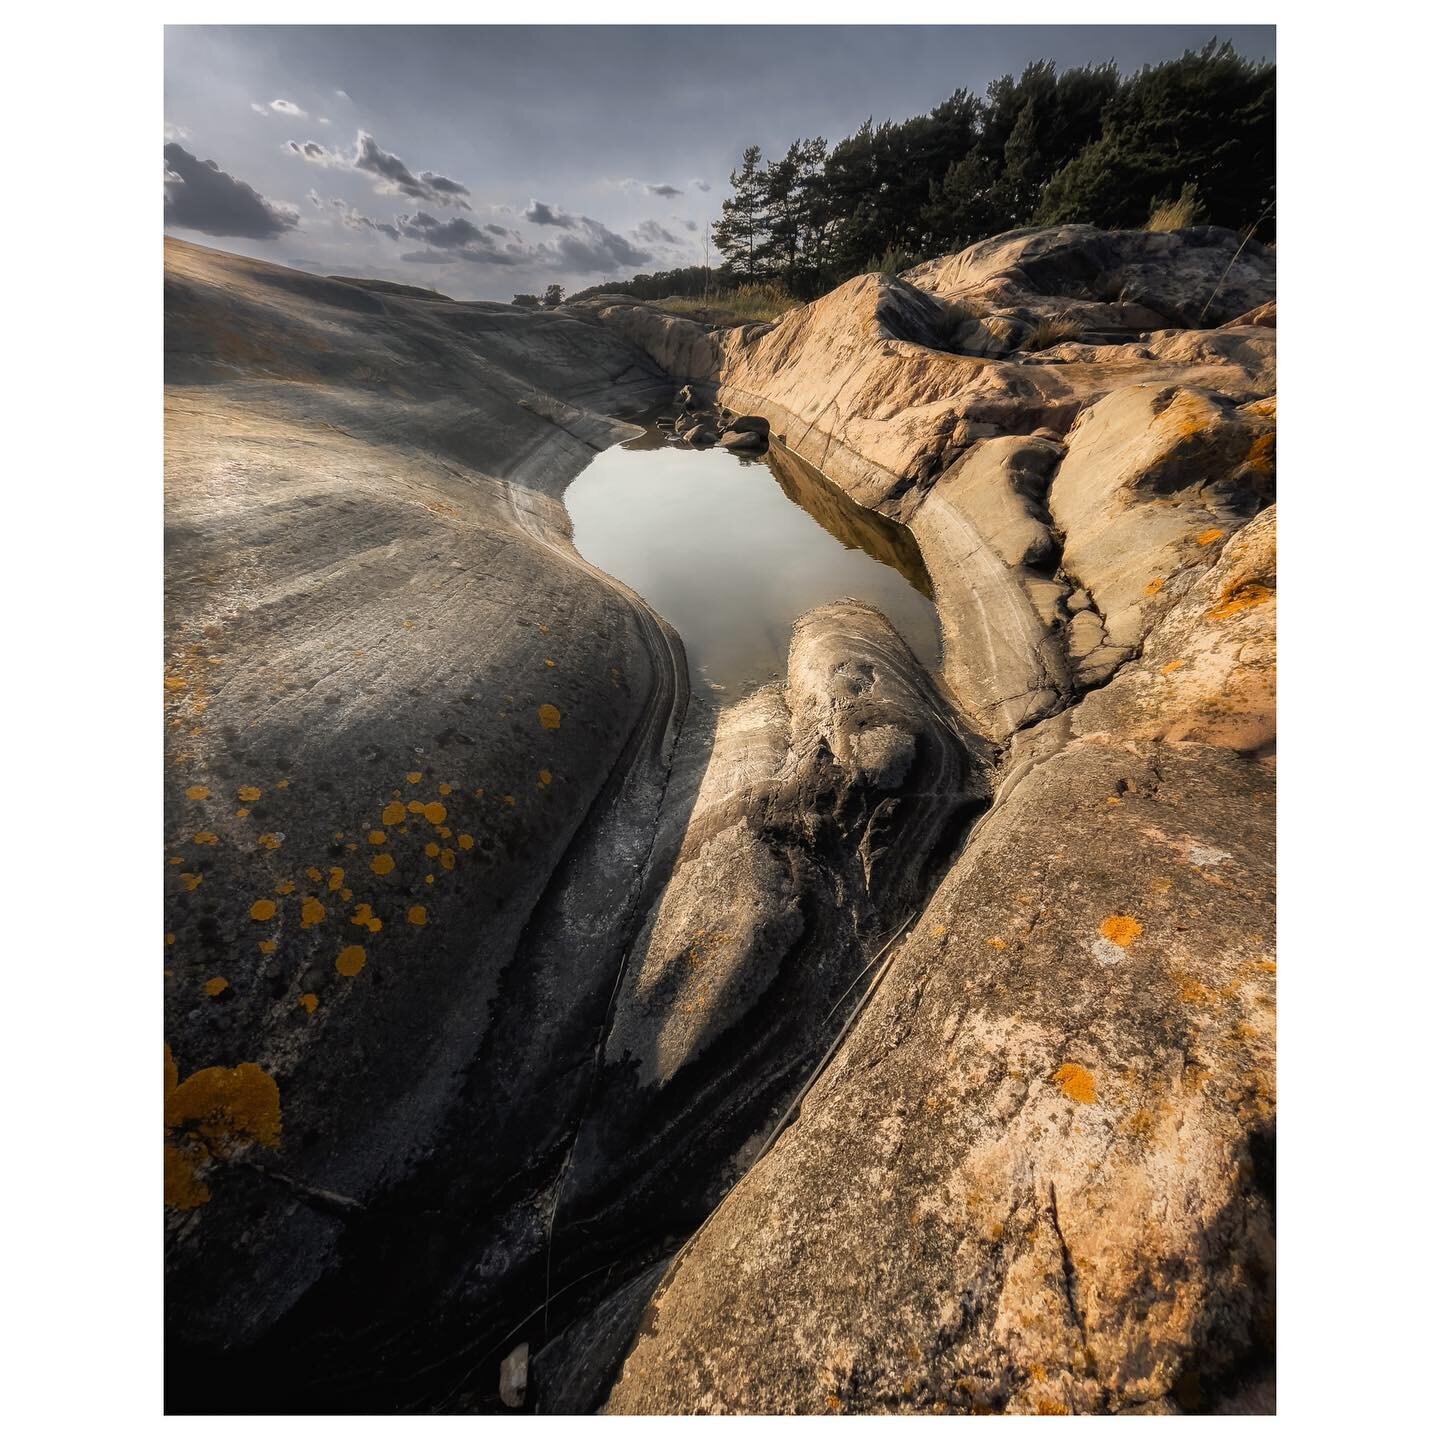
point(1051, 331)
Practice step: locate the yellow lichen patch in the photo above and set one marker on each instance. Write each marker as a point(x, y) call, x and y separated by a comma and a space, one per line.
point(416, 807)
point(269, 841)
point(1242, 597)
point(432, 849)
point(175, 682)
point(1155, 586)
point(363, 915)
point(169, 938)
point(266, 947)
point(215, 985)
point(545, 778)
point(190, 880)
point(392, 814)
point(1192, 992)
point(1209, 537)
point(184, 1190)
point(1076, 1083)
point(336, 878)
point(435, 813)
point(414, 777)
point(351, 960)
point(832, 1403)
point(248, 793)
point(285, 887)
point(447, 859)
point(507, 799)
point(313, 875)
point(312, 912)
point(382, 864)
point(177, 860)
point(308, 1001)
point(445, 832)
point(227, 1109)
point(1121, 930)
point(282, 784)
point(1268, 966)
point(465, 842)
point(417, 915)
point(549, 664)
point(1171, 668)
point(1262, 450)
point(446, 789)
point(242, 814)
point(263, 910)
point(376, 837)
point(206, 837)
point(549, 717)
point(347, 895)
point(429, 879)
point(996, 943)
point(938, 932)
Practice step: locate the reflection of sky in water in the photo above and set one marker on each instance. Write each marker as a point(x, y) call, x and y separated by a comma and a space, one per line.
point(732, 552)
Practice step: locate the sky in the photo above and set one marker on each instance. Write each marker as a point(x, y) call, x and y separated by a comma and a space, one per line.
point(483, 161)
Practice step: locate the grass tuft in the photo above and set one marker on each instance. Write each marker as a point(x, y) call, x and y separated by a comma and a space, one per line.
point(1176, 214)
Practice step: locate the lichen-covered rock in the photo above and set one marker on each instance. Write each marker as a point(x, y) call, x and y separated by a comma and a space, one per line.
point(1038, 1177)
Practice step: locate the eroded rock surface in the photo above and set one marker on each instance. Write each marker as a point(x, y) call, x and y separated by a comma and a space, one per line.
point(488, 980)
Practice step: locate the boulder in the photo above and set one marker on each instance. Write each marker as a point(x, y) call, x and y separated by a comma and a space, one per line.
point(753, 442)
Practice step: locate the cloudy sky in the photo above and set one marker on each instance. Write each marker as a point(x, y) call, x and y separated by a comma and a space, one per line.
point(487, 160)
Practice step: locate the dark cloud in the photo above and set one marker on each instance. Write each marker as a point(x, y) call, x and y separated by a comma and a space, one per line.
point(537, 212)
point(393, 174)
point(655, 233)
point(356, 221)
point(199, 195)
point(457, 238)
point(591, 247)
point(667, 191)
point(691, 225)
point(701, 184)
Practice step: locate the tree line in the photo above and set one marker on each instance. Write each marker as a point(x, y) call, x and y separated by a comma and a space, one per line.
point(1085, 144)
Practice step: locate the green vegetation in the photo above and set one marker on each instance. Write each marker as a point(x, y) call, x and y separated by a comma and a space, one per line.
point(1163, 147)
point(732, 307)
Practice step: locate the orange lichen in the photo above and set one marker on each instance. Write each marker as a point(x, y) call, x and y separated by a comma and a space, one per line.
point(1241, 597)
point(1155, 586)
point(435, 813)
point(393, 814)
point(465, 842)
point(308, 1001)
point(446, 789)
point(1121, 930)
point(206, 837)
point(414, 777)
point(312, 912)
point(218, 1113)
point(285, 887)
point(351, 960)
point(336, 878)
point(996, 943)
point(1171, 668)
point(215, 986)
point(447, 859)
point(174, 682)
point(382, 864)
point(242, 814)
point(545, 778)
point(549, 717)
point(432, 849)
point(376, 837)
point(507, 799)
point(169, 938)
point(269, 841)
point(417, 915)
point(416, 807)
point(266, 947)
point(363, 915)
point(312, 874)
point(282, 784)
point(191, 880)
point(1209, 537)
point(248, 793)
point(263, 910)
point(1076, 1083)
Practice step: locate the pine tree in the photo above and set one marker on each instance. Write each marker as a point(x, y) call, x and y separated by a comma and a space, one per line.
point(741, 231)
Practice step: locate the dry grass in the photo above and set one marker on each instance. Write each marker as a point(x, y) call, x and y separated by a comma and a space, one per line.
point(744, 304)
point(1052, 331)
point(1177, 214)
point(957, 317)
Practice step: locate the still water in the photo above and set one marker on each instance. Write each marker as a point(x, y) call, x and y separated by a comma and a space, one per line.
point(732, 551)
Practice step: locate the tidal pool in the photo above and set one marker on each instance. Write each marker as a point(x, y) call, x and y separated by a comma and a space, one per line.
point(731, 551)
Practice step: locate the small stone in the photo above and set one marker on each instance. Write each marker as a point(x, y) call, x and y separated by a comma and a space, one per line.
point(514, 1375)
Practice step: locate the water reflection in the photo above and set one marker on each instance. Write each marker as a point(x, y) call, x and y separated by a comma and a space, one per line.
point(731, 551)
